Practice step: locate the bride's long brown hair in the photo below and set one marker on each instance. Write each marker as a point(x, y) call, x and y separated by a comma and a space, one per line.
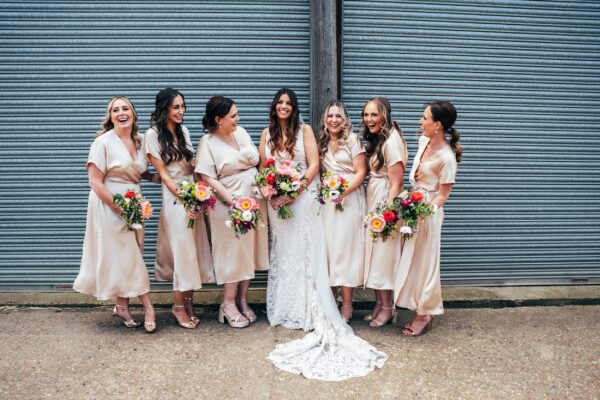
point(291, 128)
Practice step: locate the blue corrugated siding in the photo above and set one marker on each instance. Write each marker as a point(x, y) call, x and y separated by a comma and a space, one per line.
point(525, 77)
point(60, 62)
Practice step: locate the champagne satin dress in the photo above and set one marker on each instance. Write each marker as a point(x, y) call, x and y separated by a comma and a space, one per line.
point(344, 232)
point(112, 263)
point(417, 284)
point(182, 254)
point(234, 259)
point(382, 258)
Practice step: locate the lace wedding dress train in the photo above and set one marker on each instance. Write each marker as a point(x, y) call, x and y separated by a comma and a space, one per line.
point(331, 351)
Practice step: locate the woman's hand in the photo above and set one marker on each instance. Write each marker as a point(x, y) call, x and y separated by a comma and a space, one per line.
point(283, 201)
point(192, 214)
point(273, 203)
point(117, 209)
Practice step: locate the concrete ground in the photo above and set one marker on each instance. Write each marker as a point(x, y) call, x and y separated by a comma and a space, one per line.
point(550, 352)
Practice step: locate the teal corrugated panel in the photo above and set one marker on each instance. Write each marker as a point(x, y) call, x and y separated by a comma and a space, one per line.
point(525, 77)
point(60, 63)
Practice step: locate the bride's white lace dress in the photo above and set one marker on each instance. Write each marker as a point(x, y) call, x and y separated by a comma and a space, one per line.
point(299, 297)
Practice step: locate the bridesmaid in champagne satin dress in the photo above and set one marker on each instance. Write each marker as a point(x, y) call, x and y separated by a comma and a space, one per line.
point(342, 154)
point(417, 284)
point(227, 161)
point(182, 254)
point(112, 263)
point(388, 156)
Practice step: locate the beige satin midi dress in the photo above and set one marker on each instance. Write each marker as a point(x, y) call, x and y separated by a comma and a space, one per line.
point(234, 259)
point(344, 232)
point(182, 254)
point(382, 258)
point(417, 284)
point(112, 263)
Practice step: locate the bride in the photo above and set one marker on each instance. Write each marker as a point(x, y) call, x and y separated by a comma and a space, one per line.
point(298, 293)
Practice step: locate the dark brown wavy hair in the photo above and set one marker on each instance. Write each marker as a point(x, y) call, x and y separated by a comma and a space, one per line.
point(292, 127)
point(170, 151)
point(375, 142)
point(217, 106)
point(107, 123)
point(445, 112)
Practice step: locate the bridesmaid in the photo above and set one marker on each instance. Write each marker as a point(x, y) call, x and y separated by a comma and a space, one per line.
point(342, 153)
point(417, 285)
point(227, 161)
point(182, 254)
point(387, 154)
point(112, 263)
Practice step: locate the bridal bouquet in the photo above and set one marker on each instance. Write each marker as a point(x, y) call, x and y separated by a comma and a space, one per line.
point(244, 215)
point(280, 179)
point(332, 188)
point(136, 209)
point(196, 196)
point(382, 222)
point(414, 206)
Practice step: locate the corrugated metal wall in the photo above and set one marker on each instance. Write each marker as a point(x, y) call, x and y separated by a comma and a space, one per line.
point(525, 77)
point(61, 61)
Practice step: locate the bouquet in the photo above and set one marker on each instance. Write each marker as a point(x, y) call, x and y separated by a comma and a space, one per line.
point(280, 179)
point(136, 209)
point(244, 215)
point(414, 207)
point(382, 222)
point(196, 196)
point(332, 187)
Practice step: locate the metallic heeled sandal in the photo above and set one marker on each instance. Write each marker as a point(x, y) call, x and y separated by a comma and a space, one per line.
point(408, 331)
point(130, 323)
point(249, 314)
point(187, 325)
point(349, 314)
point(370, 317)
point(378, 324)
point(237, 321)
point(193, 318)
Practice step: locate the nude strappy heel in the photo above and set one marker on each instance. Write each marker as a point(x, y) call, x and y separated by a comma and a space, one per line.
point(347, 306)
point(378, 324)
point(193, 318)
point(249, 314)
point(130, 323)
point(369, 317)
point(187, 325)
point(237, 321)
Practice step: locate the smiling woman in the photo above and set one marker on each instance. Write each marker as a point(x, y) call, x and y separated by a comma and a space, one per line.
point(387, 155)
point(343, 157)
point(182, 253)
point(227, 161)
point(111, 251)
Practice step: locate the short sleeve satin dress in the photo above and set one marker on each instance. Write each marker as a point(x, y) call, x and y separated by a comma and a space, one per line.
point(344, 231)
point(417, 284)
point(112, 263)
point(182, 254)
point(382, 258)
point(235, 259)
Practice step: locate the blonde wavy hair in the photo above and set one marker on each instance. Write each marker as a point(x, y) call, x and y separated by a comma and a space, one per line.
point(324, 135)
point(107, 123)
